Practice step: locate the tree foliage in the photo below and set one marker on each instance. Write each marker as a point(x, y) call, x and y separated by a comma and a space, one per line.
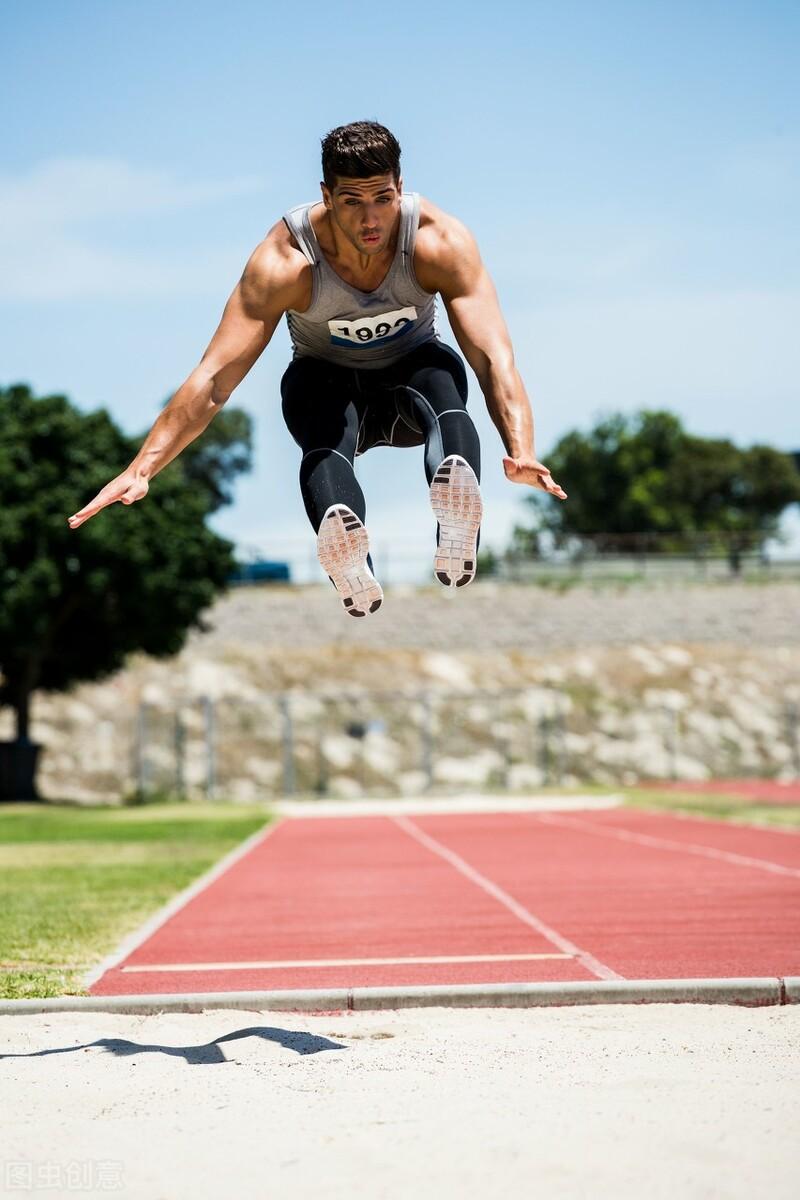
point(74, 604)
point(640, 477)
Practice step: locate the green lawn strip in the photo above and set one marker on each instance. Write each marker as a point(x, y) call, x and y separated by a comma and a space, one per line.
point(66, 901)
point(720, 806)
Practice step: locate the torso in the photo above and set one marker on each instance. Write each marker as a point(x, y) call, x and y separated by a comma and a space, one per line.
point(429, 237)
point(366, 315)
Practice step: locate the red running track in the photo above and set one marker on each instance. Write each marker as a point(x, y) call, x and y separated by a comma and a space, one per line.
point(485, 898)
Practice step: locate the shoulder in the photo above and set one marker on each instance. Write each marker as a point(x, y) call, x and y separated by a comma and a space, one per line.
point(446, 251)
point(277, 274)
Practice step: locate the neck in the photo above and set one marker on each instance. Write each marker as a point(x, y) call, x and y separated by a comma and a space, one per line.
point(350, 257)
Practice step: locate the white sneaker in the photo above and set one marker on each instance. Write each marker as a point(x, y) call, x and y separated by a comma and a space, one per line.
point(456, 502)
point(342, 549)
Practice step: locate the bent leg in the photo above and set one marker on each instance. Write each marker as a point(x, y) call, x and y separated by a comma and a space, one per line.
point(437, 388)
point(323, 417)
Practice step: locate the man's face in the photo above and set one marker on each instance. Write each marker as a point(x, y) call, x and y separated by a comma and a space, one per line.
point(365, 210)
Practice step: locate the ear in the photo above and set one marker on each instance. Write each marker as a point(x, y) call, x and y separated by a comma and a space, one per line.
point(400, 185)
point(327, 198)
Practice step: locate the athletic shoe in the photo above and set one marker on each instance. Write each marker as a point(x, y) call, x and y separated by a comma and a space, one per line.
point(456, 502)
point(343, 551)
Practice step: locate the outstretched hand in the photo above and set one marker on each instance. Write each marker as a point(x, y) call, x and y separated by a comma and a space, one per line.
point(127, 488)
point(529, 470)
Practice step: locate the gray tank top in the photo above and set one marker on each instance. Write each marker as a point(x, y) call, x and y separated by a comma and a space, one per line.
point(362, 329)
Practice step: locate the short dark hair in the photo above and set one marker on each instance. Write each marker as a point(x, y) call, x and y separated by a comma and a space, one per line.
point(358, 151)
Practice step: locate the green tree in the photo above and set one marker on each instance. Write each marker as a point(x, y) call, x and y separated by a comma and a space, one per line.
point(74, 604)
point(642, 481)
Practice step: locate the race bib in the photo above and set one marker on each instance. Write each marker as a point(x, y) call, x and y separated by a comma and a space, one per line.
point(371, 331)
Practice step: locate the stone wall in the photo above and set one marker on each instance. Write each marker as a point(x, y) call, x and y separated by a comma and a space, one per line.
point(507, 687)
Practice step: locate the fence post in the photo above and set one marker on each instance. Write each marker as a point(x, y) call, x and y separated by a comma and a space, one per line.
point(673, 735)
point(180, 750)
point(209, 716)
point(793, 734)
point(288, 745)
point(559, 723)
point(427, 738)
point(505, 744)
point(141, 768)
point(544, 747)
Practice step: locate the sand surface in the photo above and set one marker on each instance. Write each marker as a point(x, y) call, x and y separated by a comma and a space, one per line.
point(613, 1101)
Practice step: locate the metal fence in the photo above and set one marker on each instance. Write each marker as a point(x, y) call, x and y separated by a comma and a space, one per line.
point(400, 743)
point(651, 556)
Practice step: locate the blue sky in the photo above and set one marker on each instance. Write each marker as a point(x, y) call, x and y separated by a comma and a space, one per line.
point(631, 172)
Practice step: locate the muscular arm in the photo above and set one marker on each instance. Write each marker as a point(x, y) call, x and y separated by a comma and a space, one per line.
point(451, 265)
point(271, 283)
point(244, 331)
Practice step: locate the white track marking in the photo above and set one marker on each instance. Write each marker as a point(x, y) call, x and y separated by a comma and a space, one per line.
point(593, 965)
point(342, 962)
point(661, 843)
point(140, 935)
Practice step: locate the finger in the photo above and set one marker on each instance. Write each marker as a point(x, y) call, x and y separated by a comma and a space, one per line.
point(544, 480)
point(101, 500)
point(549, 484)
point(85, 514)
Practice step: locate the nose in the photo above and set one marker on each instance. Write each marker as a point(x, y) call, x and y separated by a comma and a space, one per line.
point(370, 215)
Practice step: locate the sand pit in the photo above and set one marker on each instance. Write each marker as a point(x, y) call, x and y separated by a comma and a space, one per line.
point(662, 1100)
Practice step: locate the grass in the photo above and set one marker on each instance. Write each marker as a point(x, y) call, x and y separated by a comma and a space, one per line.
point(738, 809)
point(74, 881)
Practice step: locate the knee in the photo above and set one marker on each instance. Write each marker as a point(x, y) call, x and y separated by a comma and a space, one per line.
point(441, 387)
point(320, 454)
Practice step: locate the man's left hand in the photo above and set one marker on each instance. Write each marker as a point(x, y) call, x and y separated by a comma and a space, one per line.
point(529, 470)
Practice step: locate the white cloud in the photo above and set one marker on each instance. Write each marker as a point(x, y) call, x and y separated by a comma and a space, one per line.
point(71, 190)
point(50, 248)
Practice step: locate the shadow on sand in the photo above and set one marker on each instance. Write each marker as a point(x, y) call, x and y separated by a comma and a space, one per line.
point(211, 1052)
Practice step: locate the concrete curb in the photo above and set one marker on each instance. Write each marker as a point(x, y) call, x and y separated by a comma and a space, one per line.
point(791, 990)
point(411, 806)
point(749, 992)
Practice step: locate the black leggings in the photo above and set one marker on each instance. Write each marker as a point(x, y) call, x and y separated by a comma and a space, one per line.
point(336, 413)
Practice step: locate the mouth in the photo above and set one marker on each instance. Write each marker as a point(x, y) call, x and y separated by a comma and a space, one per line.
point(371, 239)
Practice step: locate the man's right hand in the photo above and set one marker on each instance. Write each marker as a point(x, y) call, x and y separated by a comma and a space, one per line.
point(127, 488)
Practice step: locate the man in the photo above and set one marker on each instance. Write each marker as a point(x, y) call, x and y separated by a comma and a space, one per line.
point(356, 277)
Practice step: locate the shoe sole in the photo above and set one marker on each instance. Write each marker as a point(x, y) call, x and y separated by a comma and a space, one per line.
point(342, 549)
point(456, 502)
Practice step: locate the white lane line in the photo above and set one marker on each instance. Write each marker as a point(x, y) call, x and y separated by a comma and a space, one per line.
point(342, 962)
point(592, 964)
point(140, 935)
point(661, 843)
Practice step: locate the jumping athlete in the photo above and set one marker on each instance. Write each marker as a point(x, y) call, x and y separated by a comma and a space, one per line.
point(357, 276)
